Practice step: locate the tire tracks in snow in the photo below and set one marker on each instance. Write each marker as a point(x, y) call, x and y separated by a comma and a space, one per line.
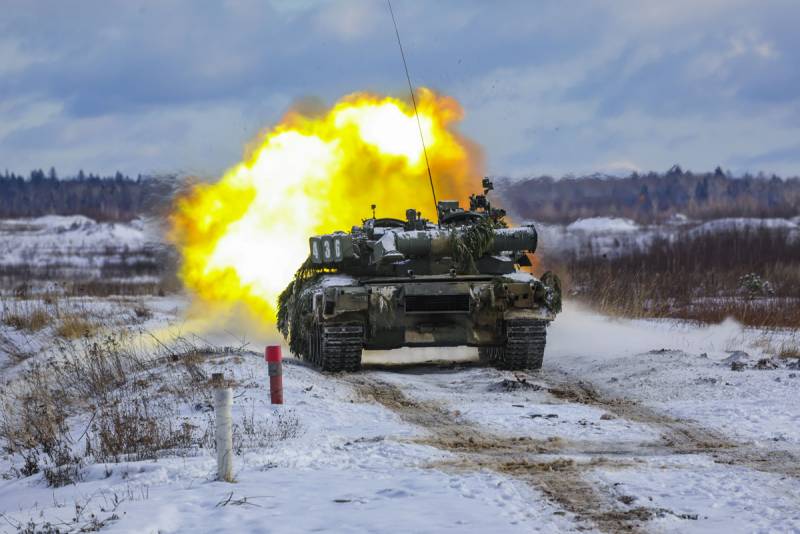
point(536, 461)
point(681, 436)
point(560, 479)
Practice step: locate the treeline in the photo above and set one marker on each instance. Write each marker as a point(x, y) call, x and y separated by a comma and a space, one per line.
point(652, 197)
point(103, 198)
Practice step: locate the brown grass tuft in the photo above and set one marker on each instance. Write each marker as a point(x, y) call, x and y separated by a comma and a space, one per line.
point(32, 320)
point(74, 326)
point(789, 350)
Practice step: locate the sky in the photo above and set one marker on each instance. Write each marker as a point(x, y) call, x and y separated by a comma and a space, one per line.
point(548, 87)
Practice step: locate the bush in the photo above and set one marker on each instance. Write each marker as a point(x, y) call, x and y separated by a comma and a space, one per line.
point(137, 429)
point(755, 286)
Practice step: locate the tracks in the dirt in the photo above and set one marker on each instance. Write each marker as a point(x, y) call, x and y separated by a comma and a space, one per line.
point(562, 479)
point(679, 435)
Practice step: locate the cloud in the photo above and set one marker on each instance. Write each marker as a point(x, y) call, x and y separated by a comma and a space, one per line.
point(15, 58)
point(786, 154)
point(179, 85)
point(348, 21)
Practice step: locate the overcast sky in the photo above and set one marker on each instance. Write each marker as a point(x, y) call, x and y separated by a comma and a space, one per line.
point(548, 87)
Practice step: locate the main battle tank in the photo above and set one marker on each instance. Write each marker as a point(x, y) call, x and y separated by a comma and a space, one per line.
point(394, 283)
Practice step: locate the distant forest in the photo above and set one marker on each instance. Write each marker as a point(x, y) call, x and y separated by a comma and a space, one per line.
point(103, 198)
point(652, 197)
point(646, 198)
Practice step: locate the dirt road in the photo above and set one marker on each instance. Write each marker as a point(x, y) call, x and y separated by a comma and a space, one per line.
point(558, 466)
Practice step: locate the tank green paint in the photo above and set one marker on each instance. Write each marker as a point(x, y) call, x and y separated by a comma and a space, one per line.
point(393, 283)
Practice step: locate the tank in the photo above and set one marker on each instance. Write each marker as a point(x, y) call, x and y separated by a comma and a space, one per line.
point(392, 283)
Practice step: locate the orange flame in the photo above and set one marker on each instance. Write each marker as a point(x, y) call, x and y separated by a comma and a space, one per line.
point(243, 237)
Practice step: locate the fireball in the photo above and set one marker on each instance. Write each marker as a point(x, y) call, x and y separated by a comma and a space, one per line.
point(242, 238)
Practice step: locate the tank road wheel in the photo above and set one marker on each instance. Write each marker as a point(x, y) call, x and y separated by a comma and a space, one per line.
point(336, 347)
point(523, 349)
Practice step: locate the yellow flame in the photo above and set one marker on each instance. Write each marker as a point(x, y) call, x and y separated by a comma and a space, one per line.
point(243, 237)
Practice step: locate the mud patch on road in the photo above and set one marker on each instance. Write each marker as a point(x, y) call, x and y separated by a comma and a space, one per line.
point(678, 435)
point(560, 479)
point(518, 384)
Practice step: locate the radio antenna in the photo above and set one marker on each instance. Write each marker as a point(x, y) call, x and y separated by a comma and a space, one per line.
point(416, 112)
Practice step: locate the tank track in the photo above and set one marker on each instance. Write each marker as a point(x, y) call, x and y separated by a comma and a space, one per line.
point(523, 349)
point(336, 347)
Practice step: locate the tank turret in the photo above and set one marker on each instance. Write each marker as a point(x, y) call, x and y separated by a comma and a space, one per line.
point(470, 241)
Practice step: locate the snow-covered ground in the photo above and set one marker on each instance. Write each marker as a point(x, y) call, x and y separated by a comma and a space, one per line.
point(656, 426)
point(613, 236)
point(76, 247)
point(631, 425)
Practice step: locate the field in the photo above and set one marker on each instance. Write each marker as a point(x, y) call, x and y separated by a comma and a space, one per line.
point(745, 269)
point(636, 423)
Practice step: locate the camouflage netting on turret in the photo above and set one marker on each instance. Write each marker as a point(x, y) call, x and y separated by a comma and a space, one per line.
point(552, 284)
point(295, 319)
point(471, 244)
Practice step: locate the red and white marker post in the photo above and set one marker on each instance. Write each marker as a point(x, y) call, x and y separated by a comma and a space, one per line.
point(275, 371)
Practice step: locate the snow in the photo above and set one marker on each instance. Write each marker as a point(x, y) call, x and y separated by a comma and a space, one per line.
point(75, 245)
point(608, 338)
point(519, 276)
point(337, 280)
point(359, 466)
point(597, 236)
point(352, 469)
point(597, 225)
point(335, 500)
point(20, 237)
point(743, 224)
point(527, 413)
point(722, 498)
point(612, 236)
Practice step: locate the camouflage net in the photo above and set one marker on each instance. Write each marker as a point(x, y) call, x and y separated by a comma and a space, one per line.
point(295, 319)
point(471, 244)
point(552, 284)
point(382, 300)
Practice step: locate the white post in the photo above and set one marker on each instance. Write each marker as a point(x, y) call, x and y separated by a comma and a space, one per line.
point(223, 402)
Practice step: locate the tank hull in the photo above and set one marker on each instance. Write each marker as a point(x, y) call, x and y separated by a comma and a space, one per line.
point(430, 311)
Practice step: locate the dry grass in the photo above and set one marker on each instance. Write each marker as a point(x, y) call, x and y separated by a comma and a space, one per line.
point(36, 409)
point(122, 401)
point(109, 288)
point(698, 278)
point(76, 326)
point(146, 272)
point(259, 432)
point(789, 349)
point(31, 318)
point(137, 428)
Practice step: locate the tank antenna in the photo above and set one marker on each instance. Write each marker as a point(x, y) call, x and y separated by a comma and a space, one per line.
point(414, 102)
